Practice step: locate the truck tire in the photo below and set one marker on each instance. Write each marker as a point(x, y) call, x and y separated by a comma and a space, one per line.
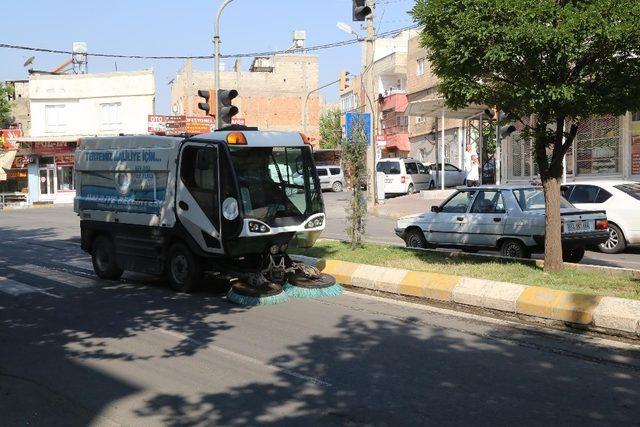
point(616, 242)
point(573, 255)
point(513, 248)
point(103, 258)
point(184, 271)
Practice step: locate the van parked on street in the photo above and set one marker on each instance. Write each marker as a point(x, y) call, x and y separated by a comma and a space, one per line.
point(403, 176)
point(331, 178)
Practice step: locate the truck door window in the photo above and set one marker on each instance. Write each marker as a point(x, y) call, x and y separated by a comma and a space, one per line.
point(202, 183)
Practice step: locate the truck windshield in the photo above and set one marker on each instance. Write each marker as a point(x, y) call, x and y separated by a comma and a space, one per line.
point(277, 183)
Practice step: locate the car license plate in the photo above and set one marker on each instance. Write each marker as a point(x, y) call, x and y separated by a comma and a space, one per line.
point(578, 226)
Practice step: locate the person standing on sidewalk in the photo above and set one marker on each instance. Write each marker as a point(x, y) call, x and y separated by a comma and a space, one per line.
point(468, 154)
point(473, 175)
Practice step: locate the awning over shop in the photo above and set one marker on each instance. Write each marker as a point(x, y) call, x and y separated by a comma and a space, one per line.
point(398, 141)
point(433, 108)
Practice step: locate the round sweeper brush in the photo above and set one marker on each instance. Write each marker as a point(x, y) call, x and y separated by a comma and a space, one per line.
point(266, 293)
point(300, 286)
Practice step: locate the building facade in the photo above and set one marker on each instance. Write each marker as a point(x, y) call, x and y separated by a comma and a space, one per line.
point(65, 107)
point(20, 104)
point(272, 93)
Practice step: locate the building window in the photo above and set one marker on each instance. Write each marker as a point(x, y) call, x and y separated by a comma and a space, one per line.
point(597, 146)
point(420, 68)
point(65, 178)
point(348, 102)
point(55, 120)
point(110, 116)
point(420, 119)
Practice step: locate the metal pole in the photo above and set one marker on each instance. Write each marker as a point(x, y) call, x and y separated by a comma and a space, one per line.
point(304, 107)
point(370, 86)
point(442, 153)
point(480, 145)
point(498, 153)
point(216, 53)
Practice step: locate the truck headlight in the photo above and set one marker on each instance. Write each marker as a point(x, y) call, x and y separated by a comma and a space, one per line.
point(230, 208)
point(316, 222)
point(257, 227)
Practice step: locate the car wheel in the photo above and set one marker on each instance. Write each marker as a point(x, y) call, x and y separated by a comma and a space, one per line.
point(411, 189)
point(183, 269)
point(415, 239)
point(573, 255)
point(514, 249)
point(103, 258)
point(616, 242)
point(337, 187)
point(432, 185)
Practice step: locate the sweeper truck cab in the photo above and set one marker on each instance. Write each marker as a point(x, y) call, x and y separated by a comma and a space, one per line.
point(225, 203)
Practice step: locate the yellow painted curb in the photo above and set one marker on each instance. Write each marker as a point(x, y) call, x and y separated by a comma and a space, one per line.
point(535, 301)
point(576, 308)
point(341, 270)
point(430, 285)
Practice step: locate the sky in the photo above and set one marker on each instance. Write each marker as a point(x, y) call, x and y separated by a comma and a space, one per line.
point(167, 28)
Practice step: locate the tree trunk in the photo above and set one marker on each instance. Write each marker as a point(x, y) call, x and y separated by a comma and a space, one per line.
point(553, 234)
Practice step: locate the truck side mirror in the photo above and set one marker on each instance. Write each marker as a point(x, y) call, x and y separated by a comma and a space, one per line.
point(435, 209)
point(203, 159)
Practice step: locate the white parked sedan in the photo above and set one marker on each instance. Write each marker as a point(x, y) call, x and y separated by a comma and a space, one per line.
point(621, 201)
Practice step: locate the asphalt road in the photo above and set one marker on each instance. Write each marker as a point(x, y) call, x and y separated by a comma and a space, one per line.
point(75, 350)
point(380, 230)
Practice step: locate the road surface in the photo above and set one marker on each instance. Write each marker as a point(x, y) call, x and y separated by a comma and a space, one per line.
point(75, 350)
point(380, 230)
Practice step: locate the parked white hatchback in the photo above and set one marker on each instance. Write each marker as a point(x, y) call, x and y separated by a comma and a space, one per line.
point(621, 201)
point(402, 176)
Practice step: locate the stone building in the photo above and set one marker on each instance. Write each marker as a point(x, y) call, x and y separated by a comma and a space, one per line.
point(272, 93)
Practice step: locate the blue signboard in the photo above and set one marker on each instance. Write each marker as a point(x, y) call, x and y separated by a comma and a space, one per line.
point(354, 118)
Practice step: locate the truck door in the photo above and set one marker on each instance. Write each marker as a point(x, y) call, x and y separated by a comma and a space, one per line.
point(197, 195)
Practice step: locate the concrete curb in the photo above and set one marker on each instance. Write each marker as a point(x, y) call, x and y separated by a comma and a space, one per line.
point(34, 206)
point(612, 315)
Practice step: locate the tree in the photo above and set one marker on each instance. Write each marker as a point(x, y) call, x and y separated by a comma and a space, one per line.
point(330, 128)
point(5, 106)
point(354, 153)
point(557, 61)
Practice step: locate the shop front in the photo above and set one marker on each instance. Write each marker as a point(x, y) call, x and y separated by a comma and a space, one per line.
point(50, 169)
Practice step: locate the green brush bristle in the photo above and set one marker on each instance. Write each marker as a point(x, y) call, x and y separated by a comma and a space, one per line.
point(266, 300)
point(299, 292)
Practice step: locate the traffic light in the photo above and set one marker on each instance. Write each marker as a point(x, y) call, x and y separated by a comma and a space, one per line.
point(360, 10)
point(343, 79)
point(225, 110)
point(496, 115)
point(208, 104)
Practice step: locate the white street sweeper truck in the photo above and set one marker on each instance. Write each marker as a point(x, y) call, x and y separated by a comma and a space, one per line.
point(227, 203)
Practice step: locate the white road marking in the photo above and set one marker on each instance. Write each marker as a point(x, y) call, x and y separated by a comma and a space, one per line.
point(248, 359)
point(55, 275)
point(13, 288)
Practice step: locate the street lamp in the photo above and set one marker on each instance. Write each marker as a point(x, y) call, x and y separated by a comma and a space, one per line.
point(347, 29)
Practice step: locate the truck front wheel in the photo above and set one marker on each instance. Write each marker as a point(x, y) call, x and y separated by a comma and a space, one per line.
point(183, 269)
point(103, 257)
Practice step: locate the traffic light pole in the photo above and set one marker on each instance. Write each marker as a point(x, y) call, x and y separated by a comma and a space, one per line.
point(306, 101)
point(370, 86)
point(216, 53)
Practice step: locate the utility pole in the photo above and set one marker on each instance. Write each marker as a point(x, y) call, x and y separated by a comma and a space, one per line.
point(369, 85)
point(216, 51)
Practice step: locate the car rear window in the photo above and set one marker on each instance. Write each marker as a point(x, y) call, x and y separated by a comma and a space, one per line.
point(389, 168)
point(531, 199)
point(631, 189)
point(335, 171)
point(322, 172)
point(412, 168)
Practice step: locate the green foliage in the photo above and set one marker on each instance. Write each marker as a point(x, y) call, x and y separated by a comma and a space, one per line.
point(330, 129)
point(5, 106)
point(354, 153)
point(559, 60)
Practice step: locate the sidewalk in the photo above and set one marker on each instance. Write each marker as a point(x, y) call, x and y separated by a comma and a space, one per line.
point(411, 204)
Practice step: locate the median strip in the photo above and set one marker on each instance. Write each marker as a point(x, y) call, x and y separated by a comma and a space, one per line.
point(608, 314)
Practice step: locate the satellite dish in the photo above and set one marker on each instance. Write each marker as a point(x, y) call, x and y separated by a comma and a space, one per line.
point(29, 61)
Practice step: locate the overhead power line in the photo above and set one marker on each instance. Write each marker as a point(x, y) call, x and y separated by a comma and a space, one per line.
point(236, 55)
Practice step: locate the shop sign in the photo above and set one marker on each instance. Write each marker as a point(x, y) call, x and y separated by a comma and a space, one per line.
point(20, 161)
point(8, 138)
point(52, 147)
point(17, 174)
point(178, 125)
point(65, 160)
